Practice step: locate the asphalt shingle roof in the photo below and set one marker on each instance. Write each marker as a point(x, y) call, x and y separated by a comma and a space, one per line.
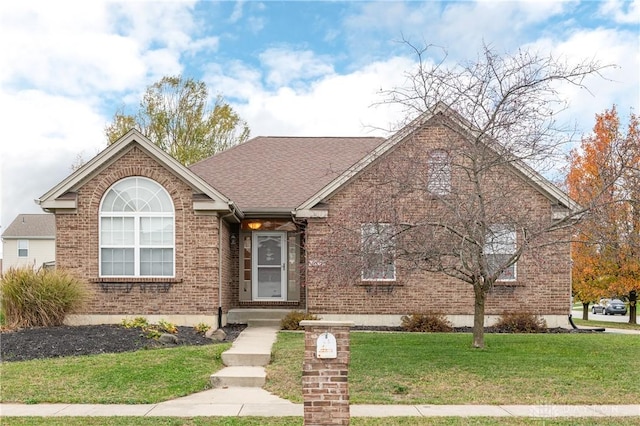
point(279, 173)
point(31, 226)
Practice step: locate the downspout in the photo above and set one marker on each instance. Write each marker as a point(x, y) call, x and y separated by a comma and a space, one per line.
point(220, 219)
point(302, 227)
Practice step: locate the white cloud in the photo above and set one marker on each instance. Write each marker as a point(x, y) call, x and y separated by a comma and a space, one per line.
point(284, 66)
point(333, 105)
point(42, 135)
point(236, 15)
point(623, 12)
point(618, 84)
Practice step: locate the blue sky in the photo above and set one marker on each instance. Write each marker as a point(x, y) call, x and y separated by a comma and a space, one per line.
point(288, 68)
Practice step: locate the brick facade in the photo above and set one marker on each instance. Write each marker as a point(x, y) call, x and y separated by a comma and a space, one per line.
point(543, 275)
point(194, 291)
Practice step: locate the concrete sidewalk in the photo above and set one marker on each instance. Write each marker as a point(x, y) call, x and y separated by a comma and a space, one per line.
point(243, 401)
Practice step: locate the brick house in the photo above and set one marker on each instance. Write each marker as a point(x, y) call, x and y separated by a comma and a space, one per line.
point(250, 230)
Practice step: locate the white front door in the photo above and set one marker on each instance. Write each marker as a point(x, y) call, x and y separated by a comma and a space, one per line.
point(269, 266)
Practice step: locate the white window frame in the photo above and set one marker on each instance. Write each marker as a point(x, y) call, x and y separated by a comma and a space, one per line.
point(439, 172)
point(23, 245)
point(137, 199)
point(380, 237)
point(502, 241)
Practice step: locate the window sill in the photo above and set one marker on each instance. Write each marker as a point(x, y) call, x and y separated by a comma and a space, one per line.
point(126, 284)
point(379, 287)
point(515, 283)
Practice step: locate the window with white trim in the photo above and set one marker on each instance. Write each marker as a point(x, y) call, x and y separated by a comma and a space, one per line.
point(439, 172)
point(378, 252)
point(23, 248)
point(499, 247)
point(137, 230)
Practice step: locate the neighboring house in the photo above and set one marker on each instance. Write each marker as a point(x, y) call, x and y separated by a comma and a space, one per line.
point(249, 227)
point(29, 241)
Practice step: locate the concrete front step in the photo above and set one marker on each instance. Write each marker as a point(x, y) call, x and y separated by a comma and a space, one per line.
point(245, 316)
point(239, 377)
point(247, 359)
point(251, 348)
point(264, 322)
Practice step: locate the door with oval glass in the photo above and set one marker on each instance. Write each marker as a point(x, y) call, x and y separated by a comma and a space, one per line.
point(269, 266)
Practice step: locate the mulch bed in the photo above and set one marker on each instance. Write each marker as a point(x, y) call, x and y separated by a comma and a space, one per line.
point(52, 342)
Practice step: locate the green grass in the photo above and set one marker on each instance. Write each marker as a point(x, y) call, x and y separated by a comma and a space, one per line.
point(606, 324)
point(141, 377)
point(417, 368)
point(289, 421)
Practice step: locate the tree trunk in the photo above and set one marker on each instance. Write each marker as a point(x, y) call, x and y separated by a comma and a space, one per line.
point(633, 306)
point(585, 311)
point(478, 316)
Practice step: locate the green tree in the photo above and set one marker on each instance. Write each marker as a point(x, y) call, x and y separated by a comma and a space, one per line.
point(174, 114)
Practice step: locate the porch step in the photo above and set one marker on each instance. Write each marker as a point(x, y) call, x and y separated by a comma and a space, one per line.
point(264, 322)
point(256, 316)
point(239, 377)
point(252, 347)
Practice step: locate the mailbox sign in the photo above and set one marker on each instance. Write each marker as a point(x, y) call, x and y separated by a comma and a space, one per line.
point(326, 346)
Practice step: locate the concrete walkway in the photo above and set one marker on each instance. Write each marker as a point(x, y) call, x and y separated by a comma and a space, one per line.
point(244, 401)
point(250, 351)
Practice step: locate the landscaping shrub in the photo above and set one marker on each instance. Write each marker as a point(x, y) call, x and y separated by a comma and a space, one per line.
point(202, 328)
point(435, 323)
point(151, 331)
point(521, 322)
point(40, 298)
point(292, 320)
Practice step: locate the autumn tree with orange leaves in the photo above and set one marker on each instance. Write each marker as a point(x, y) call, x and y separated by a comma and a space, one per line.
point(604, 174)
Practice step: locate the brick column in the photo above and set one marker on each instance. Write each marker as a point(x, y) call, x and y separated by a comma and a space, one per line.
point(325, 386)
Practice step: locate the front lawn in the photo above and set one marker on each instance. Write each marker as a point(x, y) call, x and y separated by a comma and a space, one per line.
point(141, 377)
point(386, 368)
point(416, 368)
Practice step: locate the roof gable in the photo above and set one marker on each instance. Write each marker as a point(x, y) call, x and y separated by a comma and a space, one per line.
point(529, 174)
point(58, 197)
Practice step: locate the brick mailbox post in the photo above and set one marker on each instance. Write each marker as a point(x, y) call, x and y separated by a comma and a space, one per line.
point(325, 386)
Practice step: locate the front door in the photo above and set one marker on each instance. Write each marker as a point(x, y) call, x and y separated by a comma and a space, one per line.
point(269, 268)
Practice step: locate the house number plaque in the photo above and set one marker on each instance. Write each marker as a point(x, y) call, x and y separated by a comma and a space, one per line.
point(326, 346)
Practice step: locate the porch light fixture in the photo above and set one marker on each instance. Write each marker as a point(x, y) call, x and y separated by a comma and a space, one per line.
point(254, 225)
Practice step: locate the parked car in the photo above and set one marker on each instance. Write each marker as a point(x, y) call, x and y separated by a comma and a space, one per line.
point(609, 307)
point(599, 307)
point(615, 306)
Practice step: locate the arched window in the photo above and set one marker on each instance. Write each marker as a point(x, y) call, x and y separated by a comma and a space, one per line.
point(136, 230)
point(439, 172)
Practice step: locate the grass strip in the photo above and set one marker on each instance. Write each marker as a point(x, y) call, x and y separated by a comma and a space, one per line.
point(439, 368)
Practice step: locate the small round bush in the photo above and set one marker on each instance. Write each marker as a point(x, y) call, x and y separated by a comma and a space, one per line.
point(40, 298)
point(520, 322)
point(292, 320)
point(432, 323)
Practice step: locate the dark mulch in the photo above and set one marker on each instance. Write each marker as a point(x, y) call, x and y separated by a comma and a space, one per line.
point(52, 342)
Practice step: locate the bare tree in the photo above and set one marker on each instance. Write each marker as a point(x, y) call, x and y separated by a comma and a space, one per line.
point(453, 202)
